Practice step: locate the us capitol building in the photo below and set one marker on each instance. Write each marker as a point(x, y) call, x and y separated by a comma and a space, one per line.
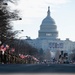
point(47, 38)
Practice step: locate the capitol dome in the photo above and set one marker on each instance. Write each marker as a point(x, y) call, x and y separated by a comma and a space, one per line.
point(48, 20)
point(48, 29)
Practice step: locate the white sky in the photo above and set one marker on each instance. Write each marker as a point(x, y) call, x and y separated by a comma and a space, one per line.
point(34, 11)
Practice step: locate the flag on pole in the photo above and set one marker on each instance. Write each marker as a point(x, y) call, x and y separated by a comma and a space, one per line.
point(13, 50)
point(22, 56)
point(3, 48)
point(35, 58)
point(7, 46)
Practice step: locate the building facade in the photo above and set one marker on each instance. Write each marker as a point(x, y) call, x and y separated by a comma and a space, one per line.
point(48, 37)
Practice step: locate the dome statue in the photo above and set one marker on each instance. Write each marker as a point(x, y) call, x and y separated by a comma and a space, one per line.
point(48, 19)
point(48, 29)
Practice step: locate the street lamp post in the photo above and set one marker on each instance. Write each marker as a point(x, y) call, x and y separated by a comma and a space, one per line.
point(2, 5)
point(17, 40)
point(13, 41)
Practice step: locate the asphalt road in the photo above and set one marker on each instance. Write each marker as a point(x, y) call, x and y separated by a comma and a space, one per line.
point(37, 68)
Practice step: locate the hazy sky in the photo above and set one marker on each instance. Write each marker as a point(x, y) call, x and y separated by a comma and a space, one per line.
point(34, 11)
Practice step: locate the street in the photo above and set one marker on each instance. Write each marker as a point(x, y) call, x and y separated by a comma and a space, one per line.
point(37, 68)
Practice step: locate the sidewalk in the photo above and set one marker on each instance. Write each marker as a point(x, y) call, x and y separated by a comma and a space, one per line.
point(38, 74)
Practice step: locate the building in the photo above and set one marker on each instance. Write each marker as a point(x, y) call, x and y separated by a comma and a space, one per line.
point(48, 38)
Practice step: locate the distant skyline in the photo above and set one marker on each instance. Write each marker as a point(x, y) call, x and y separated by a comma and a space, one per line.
point(34, 11)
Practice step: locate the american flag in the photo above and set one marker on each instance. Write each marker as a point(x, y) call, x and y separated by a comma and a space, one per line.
point(3, 48)
point(13, 50)
point(7, 46)
point(22, 56)
point(35, 58)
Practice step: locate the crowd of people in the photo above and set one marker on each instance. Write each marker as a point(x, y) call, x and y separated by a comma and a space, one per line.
point(7, 56)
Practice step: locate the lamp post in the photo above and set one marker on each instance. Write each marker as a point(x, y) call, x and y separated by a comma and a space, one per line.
point(17, 41)
point(2, 5)
point(17, 31)
point(13, 42)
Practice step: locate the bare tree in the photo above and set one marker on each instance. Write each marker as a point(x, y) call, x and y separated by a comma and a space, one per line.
point(6, 16)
